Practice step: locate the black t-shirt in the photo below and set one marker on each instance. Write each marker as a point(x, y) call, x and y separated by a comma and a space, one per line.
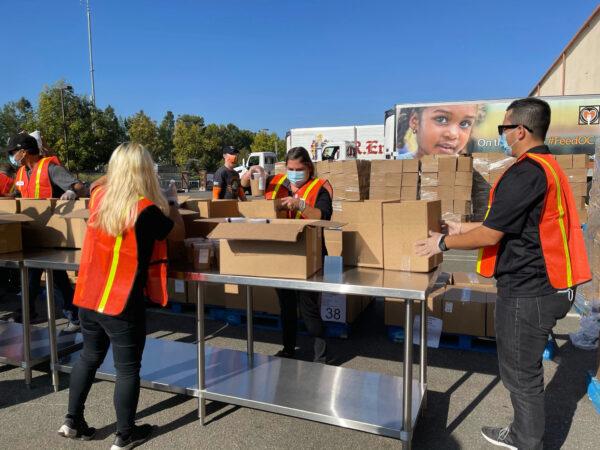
point(516, 211)
point(323, 201)
point(229, 182)
point(151, 226)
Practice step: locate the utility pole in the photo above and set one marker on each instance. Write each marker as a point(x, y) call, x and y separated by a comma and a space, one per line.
point(62, 88)
point(89, 24)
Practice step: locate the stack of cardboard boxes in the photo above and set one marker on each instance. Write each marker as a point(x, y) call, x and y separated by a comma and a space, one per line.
point(448, 179)
point(575, 168)
point(349, 179)
point(394, 179)
point(487, 169)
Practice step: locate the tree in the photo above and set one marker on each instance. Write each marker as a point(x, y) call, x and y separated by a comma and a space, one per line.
point(16, 117)
point(187, 141)
point(143, 130)
point(264, 142)
point(165, 136)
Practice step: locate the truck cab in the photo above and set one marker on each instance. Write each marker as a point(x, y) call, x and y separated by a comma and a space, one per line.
point(266, 160)
point(338, 151)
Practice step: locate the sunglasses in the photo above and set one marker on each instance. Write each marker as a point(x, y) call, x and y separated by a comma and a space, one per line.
point(503, 128)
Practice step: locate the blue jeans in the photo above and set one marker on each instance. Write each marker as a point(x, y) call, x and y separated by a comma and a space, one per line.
point(62, 287)
point(523, 325)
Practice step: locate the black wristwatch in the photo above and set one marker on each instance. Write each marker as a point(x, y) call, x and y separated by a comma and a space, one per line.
point(172, 203)
point(442, 244)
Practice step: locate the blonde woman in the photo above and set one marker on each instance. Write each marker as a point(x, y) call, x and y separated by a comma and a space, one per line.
point(123, 260)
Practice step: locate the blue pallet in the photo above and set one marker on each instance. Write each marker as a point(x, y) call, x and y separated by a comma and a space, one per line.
point(594, 391)
point(451, 341)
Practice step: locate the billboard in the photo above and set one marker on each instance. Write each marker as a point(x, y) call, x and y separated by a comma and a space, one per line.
point(469, 127)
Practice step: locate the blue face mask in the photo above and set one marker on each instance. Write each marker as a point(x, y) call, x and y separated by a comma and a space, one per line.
point(503, 142)
point(13, 161)
point(296, 176)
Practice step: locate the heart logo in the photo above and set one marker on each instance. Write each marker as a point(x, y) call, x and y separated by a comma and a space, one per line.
point(589, 115)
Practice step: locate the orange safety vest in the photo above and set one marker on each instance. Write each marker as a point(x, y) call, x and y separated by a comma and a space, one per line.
point(308, 192)
point(109, 265)
point(40, 186)
point(561, 238)
point(6, 184)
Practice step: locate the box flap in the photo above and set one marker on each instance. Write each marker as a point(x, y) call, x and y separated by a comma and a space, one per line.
point(258, 231)
point(188, 212)
point(77, 214)
point(12, 218)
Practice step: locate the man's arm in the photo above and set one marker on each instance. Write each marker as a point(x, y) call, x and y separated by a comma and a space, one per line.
point(479, 236)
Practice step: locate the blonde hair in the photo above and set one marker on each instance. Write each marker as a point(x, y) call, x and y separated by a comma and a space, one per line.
point(130, 176)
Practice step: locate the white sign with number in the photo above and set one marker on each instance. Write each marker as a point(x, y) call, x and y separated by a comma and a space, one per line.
point(333, 307)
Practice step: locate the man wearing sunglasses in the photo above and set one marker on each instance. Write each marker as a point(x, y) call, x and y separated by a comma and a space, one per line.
point(531, 242)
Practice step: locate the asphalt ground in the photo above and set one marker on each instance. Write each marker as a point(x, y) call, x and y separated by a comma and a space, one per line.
point(465, 393)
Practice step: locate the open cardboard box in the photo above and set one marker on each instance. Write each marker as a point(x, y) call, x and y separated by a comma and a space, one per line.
point(10, 232)
point(284, 248)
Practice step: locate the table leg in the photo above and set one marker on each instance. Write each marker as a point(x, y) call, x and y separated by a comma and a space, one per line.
point(52, 327)
point(423, 351)
point(250, 322)
point(406, 433)
point(26, 317)
point(201, 353)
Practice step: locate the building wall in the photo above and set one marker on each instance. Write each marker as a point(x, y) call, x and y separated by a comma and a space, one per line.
point(581, 66)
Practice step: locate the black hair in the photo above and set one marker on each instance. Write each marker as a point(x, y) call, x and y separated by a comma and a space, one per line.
point(533, 113)
point(300, 153)
point(404, 123)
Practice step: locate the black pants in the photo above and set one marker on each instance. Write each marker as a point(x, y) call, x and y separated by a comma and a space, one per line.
point(522, 329)
point(289, 301)
point(128, 339)
point(62, 284)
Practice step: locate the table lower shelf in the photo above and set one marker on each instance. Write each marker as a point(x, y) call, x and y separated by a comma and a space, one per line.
point(349, 398)
point(11, 344)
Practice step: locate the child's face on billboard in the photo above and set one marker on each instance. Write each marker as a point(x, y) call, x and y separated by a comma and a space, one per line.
point(444, 129)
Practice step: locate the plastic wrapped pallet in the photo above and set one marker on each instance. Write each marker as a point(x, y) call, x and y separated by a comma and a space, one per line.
point(487, 169)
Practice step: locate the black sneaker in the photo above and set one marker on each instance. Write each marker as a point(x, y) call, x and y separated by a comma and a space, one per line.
point(76, 429)
point(285, 354)
point(138, 436)
point(499, 436)
point(17, 317)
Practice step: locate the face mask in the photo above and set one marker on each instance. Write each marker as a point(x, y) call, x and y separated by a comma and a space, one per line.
point(13, 161)
point(503, 142)
point(231, 159)
point(296, 176)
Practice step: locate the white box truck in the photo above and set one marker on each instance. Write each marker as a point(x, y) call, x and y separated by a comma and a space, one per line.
point(368, 140)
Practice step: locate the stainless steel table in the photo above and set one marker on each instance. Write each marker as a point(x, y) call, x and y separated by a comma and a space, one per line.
point(20, 345)
point(371, 402)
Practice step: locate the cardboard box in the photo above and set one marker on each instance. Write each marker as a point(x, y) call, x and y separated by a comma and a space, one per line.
point(393, 193)
point(464, 164)
point(408, 193)
point(462, 193)
point(429, 193)
point(462, 207)
point(429, 163)
point(36, 233)
point(410, 166)
point(576, 175)
point(9, 205)
point(177, 291)
point(395, 310)
point(464, 311)
point(379, 167)
point(578, 189)
point(580, 161)
point(446, 192)
point(410, 179)
point(564, 161)
point(377, 193)
point(446, 163)
point(403, 224)
point(214, 293)
point(278, 248)
point(471, 279)
point(463, 179)
point(11, 239)
point(393, 180)
point(447, 178)
point(260, 209)
point(378, 179)
point(363, 232)
point(224, 208)
point(583, 215)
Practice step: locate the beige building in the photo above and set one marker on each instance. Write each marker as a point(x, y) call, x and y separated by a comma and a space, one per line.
point(577, 69)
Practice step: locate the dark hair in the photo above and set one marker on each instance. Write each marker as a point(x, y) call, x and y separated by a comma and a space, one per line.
point(532, 112)
point(300, 153)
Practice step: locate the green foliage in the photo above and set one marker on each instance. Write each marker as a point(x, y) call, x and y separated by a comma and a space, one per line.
point(16, 117)
point(264, 142)
point(142, 129)
point(166, 131)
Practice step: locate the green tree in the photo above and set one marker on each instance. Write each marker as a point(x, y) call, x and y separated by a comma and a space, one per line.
point(166, 130)
point(143, 129)
point(16, 117)
point(187, 140)
point(264, 142)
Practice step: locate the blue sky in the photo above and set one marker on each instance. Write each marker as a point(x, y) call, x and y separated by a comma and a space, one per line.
point(281, 64)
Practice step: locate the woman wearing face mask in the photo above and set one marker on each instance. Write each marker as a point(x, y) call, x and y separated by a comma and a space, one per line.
point(303, 197)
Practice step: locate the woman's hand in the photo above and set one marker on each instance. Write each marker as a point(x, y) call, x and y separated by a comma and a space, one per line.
point(290, 203)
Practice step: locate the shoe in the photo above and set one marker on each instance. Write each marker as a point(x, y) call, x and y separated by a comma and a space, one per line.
point(138, 436)
point(499, 436)
point(18, 317)
point(71, 327)
point(74, 429)
point(285, 354)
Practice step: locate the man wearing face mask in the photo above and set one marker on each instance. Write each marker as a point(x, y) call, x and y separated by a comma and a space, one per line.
point(302, 196)
point(531, 242)
point(226, 184)
point(42, 178)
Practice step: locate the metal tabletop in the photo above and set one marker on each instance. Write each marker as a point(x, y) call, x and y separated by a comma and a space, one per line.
point(14, 260)
point(354, 281)
point(56, 259)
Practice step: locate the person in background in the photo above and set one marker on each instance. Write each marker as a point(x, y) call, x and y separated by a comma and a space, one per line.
point(226, 184)
point(123, 258)
point(43, 178)
point(44, 150)
point(302, 196)
point(531, 242)
point(7, 180)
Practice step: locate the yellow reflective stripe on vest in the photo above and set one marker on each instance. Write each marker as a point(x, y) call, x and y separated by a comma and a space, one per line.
point(111, 273)
point(18, 183)
point(481, 249)
point(561, 215)
point(277, 186)
point(38, 175)
point(305, 195)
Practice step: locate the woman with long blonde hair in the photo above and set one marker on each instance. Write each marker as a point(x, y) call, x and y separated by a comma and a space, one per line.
point(123, 261)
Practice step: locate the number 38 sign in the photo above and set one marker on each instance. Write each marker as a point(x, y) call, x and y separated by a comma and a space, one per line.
point(333, 307)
